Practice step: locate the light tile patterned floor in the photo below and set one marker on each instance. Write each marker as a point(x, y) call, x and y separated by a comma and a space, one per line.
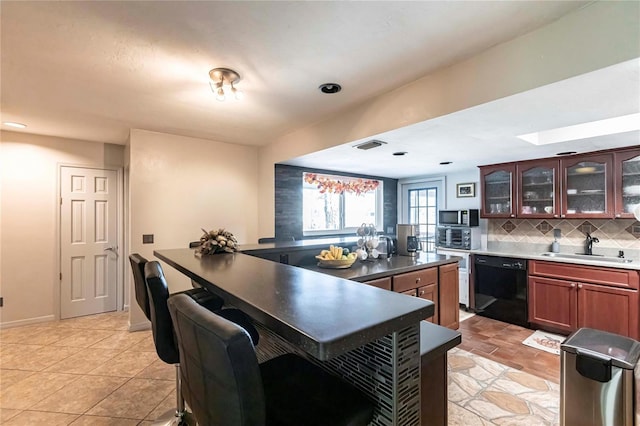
point(91, 371)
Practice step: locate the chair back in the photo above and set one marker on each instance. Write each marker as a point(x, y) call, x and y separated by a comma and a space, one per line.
point(137, 266)
point(221, 379)
point(161, 325)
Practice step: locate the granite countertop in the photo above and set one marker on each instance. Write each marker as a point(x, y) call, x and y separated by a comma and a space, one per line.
point(366, 270)
point(322, 314)
point(595, 261)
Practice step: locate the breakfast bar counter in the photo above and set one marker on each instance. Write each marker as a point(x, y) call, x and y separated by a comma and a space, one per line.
point(370, 337)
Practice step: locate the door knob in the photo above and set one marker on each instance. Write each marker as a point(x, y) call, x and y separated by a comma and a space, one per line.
point(113, 249)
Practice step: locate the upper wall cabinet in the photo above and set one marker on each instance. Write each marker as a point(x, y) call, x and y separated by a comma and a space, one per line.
point(627, 182)
point(539, 191)
point(588, 183)
point(599, 185)
point(498, 190)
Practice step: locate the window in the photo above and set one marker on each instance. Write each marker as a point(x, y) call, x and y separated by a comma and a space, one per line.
point(339, 204)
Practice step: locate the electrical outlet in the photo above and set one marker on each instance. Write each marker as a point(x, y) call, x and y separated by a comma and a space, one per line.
point(1, 301)
point(147, 238)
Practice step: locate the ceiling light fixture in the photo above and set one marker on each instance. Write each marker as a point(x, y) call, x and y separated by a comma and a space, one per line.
point(223, 81)
point(609, 126)
point(14, 124)
point(444, 163)
point(400, 153)
point(330, 88)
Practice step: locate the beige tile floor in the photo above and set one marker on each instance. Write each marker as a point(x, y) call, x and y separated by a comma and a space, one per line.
point(82, 371)
point(92, 371)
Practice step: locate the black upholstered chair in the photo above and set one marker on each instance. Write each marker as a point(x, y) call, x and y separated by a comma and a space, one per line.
point(200, 295)
point(224, 384)
point(163, 333)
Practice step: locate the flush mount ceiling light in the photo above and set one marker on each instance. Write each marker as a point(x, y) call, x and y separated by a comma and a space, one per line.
point(610, 126)
point(330, 88)
point(223, 81)
point(400, 153)
point(445, 163)
point(14, 124)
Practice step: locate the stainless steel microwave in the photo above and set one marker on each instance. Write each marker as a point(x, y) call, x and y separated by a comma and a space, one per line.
point(458, 237)
point(468, 217)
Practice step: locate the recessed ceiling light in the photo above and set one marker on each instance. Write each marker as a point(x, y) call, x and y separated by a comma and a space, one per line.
point(373, 143)
point(444, 163)
point(567, 153)
point(609, 126)
point(330, 88)
point(400, 153)
point(14, 124)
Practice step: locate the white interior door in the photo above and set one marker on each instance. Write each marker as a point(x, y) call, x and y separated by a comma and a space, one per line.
point(88, 241)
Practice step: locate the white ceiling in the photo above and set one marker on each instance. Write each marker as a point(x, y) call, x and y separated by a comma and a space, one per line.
point(94, 70)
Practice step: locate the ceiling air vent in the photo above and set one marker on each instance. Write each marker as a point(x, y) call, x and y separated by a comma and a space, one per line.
point(373, 143)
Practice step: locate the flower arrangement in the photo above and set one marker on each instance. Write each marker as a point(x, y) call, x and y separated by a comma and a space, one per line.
point(217, 241)
point(325, 184)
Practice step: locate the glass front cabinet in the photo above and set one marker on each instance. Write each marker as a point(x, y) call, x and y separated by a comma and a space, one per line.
point(498, 190)
point(538, 189)
point(627, 182)
point(587, 186)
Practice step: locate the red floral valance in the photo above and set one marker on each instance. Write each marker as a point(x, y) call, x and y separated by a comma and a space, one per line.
point(338, 186)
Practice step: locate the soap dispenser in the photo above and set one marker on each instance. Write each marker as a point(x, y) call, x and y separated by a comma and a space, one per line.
point(555, 246)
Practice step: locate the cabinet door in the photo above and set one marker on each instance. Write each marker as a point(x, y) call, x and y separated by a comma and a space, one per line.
point(609, 309)
point(384, 283)
point(430, 292)
point(449, 296)
point(627, 182)
point(538, 189)
point(498, 190)
point(588, 187)
point(553, 304)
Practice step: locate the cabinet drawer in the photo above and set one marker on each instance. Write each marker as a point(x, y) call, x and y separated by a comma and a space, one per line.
point(587, 274)
point(412, 280)
point(383, 283)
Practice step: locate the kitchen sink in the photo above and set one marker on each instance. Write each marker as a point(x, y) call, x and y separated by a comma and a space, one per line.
point(595, 257)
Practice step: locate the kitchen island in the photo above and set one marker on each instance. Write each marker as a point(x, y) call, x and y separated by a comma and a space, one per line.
point(369, 336)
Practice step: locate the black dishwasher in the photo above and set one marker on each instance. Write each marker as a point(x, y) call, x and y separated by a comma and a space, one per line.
point(500, 289)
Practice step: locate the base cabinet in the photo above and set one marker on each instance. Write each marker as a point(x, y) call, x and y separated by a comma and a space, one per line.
point(564, 298)
point(439, 285)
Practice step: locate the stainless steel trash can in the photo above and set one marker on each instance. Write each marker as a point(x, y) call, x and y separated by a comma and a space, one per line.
point(596, 379)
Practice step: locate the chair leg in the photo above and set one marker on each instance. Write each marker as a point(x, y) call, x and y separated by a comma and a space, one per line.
point(179, 415)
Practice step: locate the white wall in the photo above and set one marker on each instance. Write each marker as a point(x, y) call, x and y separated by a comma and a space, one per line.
point(599, 35)
point(466, 176)
point(28, 243)
point(178, 185)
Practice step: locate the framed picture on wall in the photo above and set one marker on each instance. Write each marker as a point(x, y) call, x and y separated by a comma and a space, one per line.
point(466, 190)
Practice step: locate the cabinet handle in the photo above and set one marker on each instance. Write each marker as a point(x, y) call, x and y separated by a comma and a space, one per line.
point(421, 292)
point(573, 285)
point(579, 286)
point(618, 215)
point(513, 215)
point(561, 215)
point(418, 280)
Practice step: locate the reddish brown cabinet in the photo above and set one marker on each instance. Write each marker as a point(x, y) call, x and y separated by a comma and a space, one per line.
point(448, 296)
point(437, 284)
point(587, 182)
point(626, 182)
point(383, 283)
point(498, 190)
point(599, 185)
point(564, 297)
point(539, 189)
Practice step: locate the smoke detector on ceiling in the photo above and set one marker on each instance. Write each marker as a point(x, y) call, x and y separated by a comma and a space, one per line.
point(373, 143)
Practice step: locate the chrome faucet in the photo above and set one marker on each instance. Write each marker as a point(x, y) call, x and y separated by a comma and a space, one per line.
point(588, 247)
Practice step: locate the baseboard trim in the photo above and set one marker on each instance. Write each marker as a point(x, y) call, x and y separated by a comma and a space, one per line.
point(28, 321)
point(140, 326)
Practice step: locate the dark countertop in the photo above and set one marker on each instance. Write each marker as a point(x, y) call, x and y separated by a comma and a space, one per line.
point(379, 268)
point(322, 314)
point(436, 340)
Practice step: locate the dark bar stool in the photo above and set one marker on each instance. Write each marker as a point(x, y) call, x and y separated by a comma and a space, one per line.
point(163, 333)
point(224, 384)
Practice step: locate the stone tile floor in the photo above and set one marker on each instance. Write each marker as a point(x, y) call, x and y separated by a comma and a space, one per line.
point(92, 371)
